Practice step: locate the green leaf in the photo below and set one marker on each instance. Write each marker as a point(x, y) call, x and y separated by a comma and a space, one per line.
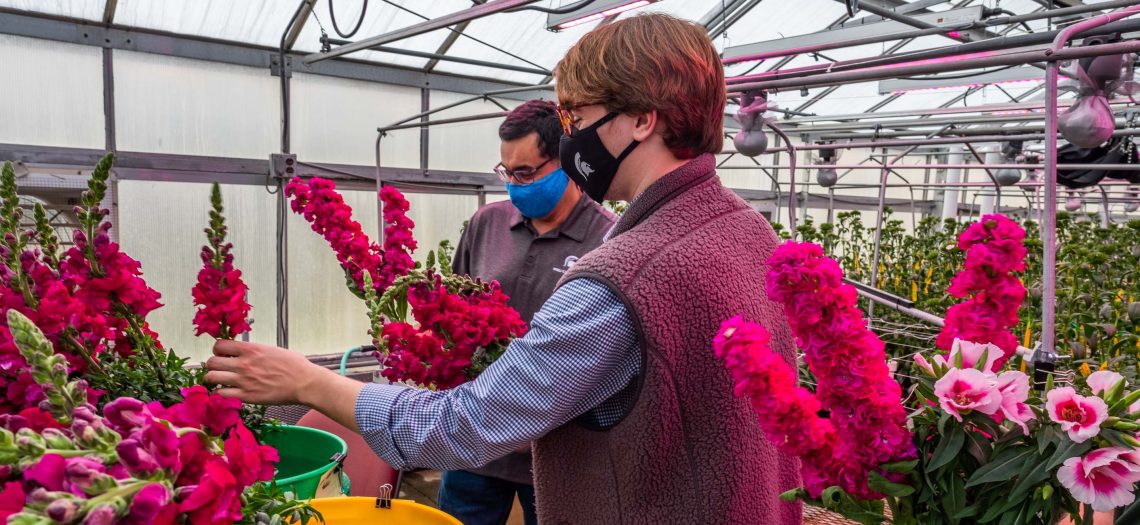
point(968, 512)
point(1115, 437)
point(1047, 436)
point(942, 423)
point(879, 483)
point(955, 497)
point(900, 466)
point(1001, 468)
point(978, 447)
point(981, 364)
point(947, 449)
point(998, 510)
point(1065, 450)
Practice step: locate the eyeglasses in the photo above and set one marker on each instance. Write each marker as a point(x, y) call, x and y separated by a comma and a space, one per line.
point(567, 119)
point(519, 176)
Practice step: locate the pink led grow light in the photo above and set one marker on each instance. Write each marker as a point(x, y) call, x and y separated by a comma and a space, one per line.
point(608, 12)
point(967, 86)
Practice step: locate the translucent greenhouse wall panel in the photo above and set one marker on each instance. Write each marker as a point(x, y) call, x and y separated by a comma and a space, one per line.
point(53, 93)
point(438, 218)
point(335, 120)
point(468, 146)
point(168, 249)
point(324, 316)
point(192, 107)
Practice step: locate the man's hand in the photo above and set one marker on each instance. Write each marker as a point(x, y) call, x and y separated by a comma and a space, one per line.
point(267, 375)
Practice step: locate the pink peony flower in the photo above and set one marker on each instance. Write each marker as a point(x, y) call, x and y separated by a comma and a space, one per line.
point(1078, 415)
point(1102, 381)
point(1014, 389)
point(962, 391)
point(1102, 479)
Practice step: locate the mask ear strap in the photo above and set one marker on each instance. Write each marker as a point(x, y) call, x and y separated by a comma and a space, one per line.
point(625, 153)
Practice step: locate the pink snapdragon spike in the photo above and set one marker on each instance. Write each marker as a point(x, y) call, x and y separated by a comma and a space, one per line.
point(1014, 389)
point(220, 293)
point(994, 250)
point(788, 414)
point(319, 203)
point(1102, 381)
point(1103, 478)
point(964, 390)
point(855, 385)
point(1078, 415)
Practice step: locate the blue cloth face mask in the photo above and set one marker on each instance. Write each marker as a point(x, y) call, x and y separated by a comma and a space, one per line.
point(537, 199)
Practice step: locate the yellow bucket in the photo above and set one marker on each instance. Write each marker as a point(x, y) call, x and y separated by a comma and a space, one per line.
point(363, 511)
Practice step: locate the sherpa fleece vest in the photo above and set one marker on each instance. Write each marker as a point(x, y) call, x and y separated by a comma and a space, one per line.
point(687, 255)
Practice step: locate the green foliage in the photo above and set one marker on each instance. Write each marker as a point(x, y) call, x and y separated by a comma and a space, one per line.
point(45, 235)
point(267, 504)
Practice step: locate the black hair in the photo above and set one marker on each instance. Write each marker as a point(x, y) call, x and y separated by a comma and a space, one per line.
point(534, 116)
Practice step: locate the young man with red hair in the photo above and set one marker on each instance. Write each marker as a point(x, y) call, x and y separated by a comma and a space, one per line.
point(633, 416)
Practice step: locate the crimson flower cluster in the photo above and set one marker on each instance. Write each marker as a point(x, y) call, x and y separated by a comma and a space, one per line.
point(220, 293)
point(459, 334)
point(319, 203)
point(136, 463)
point(849, 362)
point(994, 250)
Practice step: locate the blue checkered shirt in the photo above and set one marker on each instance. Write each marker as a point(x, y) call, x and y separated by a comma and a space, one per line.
point(579, 355)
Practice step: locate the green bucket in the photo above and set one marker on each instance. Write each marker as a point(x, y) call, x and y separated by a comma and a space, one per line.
point(311, 463)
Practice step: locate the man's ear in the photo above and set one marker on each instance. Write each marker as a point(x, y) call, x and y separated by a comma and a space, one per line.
point(644, 125)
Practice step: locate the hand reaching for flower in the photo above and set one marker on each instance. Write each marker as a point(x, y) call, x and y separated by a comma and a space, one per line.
point(268, 375)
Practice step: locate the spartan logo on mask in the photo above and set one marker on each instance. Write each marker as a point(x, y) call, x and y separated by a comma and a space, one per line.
point(583, 167)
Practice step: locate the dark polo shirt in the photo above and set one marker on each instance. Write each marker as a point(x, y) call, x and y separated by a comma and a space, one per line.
point(500, 244)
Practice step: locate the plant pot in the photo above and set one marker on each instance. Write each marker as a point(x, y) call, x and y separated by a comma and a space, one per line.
point(312, 461)
point(364, 511)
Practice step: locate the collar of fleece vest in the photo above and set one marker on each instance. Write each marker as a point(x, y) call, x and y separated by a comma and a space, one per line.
point(697, 170)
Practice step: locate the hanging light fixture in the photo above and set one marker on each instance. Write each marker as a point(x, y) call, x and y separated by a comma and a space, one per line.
point(594, 11)
point(827, 177)
point(1074, 202)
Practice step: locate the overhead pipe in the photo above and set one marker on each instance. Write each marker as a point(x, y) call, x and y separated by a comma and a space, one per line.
point(1021, 40)
point(926, 67)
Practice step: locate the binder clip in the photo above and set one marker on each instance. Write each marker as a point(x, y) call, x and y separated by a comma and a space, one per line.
point(384, 500)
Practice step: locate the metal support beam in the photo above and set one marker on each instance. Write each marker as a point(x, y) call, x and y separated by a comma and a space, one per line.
point(446, 45)
point(59, 29)
point(109, 140)
point(109, 11)
point(295, 31)
point(466, 15)
point(425, 135)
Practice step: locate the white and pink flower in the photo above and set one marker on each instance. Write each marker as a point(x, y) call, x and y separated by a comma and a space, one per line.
point(972, 353)
point(1102, 381)
point(963, 390)
point(1014, 389)
point(1078, 415)
point(1102, 479)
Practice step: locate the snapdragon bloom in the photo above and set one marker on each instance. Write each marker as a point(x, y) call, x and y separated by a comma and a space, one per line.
point(994, 250)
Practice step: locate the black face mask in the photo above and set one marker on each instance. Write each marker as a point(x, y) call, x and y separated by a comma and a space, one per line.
point(587, 161)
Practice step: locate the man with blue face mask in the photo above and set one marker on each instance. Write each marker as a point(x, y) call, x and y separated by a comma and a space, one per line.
point(526, 244)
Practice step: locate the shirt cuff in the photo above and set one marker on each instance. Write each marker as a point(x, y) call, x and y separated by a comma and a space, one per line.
point(374, 406)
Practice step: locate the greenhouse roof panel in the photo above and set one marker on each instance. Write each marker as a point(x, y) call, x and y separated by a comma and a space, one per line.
point(85, 9)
